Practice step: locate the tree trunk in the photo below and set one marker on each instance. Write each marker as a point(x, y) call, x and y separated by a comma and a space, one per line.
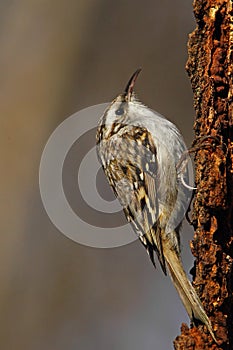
point(210, 70)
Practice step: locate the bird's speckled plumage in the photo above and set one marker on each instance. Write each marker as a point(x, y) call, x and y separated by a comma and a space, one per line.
point(139, 150)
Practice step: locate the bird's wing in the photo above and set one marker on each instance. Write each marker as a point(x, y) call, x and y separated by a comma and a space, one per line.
point(135, 182)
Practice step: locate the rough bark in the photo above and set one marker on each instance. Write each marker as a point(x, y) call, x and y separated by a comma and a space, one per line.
point(210, 70)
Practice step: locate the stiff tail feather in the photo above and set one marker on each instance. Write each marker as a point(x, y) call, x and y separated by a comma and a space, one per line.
point(185, 289)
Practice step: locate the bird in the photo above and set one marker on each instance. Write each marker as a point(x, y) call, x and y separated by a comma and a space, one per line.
point(139, 151)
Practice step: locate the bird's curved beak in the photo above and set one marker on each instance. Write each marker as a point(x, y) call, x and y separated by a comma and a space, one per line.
point(130, 86)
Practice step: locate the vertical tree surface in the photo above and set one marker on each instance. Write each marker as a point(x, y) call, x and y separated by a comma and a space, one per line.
point(210, 70)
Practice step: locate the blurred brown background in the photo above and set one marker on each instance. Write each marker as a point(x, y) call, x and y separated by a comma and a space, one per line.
point(57, 58)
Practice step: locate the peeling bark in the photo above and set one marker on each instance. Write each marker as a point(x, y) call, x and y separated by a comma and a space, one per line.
point(210, 70)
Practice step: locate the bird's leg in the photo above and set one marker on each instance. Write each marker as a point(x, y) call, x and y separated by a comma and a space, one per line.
point(202, 142)
point(199, 143)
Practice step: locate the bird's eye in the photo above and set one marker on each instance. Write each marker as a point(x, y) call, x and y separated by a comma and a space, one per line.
point(119, 111)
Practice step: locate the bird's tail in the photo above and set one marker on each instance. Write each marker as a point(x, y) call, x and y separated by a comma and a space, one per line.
point(185, 289)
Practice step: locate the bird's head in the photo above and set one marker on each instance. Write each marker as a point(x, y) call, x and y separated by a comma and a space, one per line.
point(118, 111)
